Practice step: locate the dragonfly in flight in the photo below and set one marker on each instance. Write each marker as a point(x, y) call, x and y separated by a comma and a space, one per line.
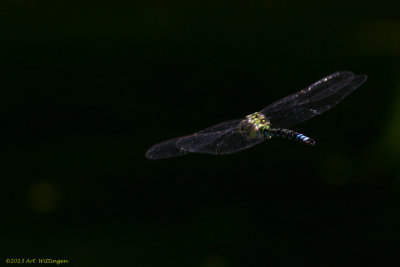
point(272, 121)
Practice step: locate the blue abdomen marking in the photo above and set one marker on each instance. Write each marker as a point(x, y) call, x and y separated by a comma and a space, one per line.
point(289, 134)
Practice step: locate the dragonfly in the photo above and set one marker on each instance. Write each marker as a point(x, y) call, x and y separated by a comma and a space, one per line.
point(273, 121)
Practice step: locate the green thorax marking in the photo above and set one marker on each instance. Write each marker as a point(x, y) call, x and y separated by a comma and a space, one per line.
point(254, 124)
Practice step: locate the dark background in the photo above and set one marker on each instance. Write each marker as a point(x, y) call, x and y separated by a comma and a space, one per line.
point(87, 88)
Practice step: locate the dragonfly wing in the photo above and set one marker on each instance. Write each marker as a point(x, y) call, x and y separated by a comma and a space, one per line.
point(221, 126)
point(313, 100)
point(169, 148)
point(334, 79)
point(229, 141)
point(166, 149)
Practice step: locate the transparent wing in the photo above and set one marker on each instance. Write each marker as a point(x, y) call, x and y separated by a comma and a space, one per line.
point(165, 149)
point(229, 141)
point(201, 138)
point(313, 100)
point(221, 127)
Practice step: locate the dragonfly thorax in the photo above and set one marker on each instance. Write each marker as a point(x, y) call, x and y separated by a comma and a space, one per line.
point(258, 121)
point(253, 125)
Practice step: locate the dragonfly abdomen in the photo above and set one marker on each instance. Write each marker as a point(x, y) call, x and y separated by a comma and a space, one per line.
point(289, 134)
